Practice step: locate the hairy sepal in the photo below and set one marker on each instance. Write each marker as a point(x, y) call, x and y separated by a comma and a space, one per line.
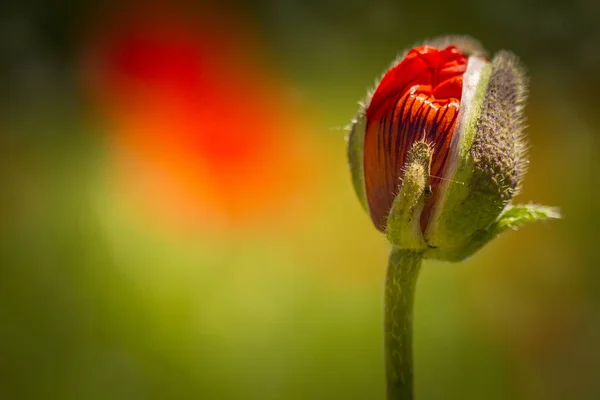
point(404, 226)
point(356, 146)
point(490, 172)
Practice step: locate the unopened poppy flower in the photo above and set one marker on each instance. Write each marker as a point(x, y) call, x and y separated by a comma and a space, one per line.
point(464, 112)
point(437, 153)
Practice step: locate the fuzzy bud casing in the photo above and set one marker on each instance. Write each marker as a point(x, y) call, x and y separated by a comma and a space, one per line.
point(468, 111)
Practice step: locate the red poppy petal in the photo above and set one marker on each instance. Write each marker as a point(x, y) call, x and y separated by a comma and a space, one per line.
point(417, 99)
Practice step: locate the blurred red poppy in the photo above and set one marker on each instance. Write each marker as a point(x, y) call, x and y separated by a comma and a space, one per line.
point(200, 130)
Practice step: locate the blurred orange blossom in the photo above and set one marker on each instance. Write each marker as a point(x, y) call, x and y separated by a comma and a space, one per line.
point(201, 134)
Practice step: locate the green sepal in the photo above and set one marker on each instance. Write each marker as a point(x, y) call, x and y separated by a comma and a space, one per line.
point(404, 220)
point(356, 145)
point(460, 209)
point(491, 157)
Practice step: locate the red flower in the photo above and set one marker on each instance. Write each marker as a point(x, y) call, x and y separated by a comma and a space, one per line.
point(418, 98)
point(199, 129)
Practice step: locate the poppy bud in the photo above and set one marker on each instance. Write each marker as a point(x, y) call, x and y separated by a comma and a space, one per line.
point(437, 150)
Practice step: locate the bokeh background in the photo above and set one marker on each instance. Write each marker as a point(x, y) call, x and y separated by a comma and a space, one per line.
point(177, 219)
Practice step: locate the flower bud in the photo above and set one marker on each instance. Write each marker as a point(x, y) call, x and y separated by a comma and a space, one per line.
point(437, 150)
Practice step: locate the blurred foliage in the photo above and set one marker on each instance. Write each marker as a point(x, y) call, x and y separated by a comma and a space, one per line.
point(100, 299)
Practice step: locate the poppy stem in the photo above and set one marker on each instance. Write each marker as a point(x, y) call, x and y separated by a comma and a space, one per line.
point(402, 274)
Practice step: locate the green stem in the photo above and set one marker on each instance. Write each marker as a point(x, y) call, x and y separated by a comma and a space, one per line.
point(403, 270)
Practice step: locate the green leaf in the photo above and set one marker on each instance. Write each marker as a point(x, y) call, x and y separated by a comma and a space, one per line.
point(513, 217)
point(516, 216)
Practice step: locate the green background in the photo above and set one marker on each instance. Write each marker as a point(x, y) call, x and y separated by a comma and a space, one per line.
point(97, 302)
